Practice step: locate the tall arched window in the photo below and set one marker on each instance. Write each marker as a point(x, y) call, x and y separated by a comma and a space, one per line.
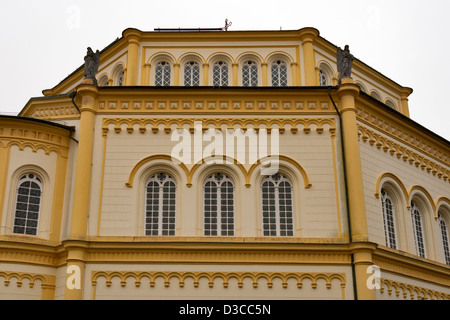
point(28, 203)
point(444, 234)
point(162, 74)
point(279, 74)
point(249, 74)
point(160, 205)
point(191, 74)
point(220, 74)
point(218, 206)
point(277, 206)
point(389, 221)
point(418, 230)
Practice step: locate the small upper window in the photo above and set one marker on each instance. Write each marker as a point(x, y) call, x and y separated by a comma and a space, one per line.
point(279, 74)
point(162, 74)
point(28, 203)
point(220, 74)
point(191, 74)
point(121, 79)
point(103, 82)
point(249, 74)
point(322, 79)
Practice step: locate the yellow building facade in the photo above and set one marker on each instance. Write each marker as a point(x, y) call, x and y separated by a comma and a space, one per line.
point(153, 184)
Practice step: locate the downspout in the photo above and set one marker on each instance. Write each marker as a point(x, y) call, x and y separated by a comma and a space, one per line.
point(346, 194)
point(72, 95)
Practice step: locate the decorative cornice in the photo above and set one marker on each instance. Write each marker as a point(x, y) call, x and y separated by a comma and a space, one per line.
point(170, 124)
point(225, 277)
point(23, 133)
point(46, 280)
point(411, 266)
point(407, 291)
point(394, 128)
point(404, 153)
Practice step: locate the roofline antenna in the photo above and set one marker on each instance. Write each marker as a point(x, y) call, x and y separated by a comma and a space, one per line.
point(227, 25)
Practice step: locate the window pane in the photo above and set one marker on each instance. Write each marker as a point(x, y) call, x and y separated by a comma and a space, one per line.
point(191, 74)
point(445, 242)
point(277, 209)
point(162, 74)
point(160, 205)
point(218, 206)
point(388, 218)
point(220, 74)
point(279, 74)
point(418, 231)
point(27, 205)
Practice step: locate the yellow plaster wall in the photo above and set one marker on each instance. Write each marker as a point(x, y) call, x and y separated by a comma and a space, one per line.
point(316, 214)
point(376, 162)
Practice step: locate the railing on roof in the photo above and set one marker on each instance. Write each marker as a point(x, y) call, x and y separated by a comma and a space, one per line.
point(188, 29)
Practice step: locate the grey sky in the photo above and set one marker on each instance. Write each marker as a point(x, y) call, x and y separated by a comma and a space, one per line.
point(406, 40)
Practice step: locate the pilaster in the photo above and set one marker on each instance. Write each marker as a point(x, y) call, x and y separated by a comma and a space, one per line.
point(404, 94)
point(80, 212)
point(133, 37)
point(307, 36)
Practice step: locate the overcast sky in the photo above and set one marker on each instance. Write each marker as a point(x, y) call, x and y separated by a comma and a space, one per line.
point(406, 40)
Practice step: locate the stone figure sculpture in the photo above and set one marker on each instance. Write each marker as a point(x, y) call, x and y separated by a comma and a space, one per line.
point(91, 62)
point(344, 63)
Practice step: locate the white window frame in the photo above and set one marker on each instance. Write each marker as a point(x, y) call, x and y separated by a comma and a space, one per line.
point(250, 76)
point(276, 180)
point(445, 238)
point(418, 230)
point(277, 71)
point(165, 69)
point(220, 79)
point(215, 229)
point(161, 179)
point(190, 82)
point(389, 217)
point(31, 178)
point(323, 81)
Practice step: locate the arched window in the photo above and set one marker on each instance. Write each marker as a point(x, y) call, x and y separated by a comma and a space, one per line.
point(162, 74)
point(375, 95)
point(103, 82)
point(118, 75)
point(322, 79)
point(160, 205)
point(277, 206)
point(28, 203)
point(220, 74)
point(388, 218)
point(391, 104)
point(191, 74)
point(418, 230)
point(279, 74)
point(218, 206)
point(121, 79)
point(444, 234)
point(249, 74)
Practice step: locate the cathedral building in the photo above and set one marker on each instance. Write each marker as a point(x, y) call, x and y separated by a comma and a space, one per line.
point(212, 164)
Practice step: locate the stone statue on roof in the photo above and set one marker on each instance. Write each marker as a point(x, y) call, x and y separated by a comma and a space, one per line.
point(344, 63)
point(91, 63)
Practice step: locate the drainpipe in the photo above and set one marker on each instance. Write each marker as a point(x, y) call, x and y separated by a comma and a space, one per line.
point(355, 292)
